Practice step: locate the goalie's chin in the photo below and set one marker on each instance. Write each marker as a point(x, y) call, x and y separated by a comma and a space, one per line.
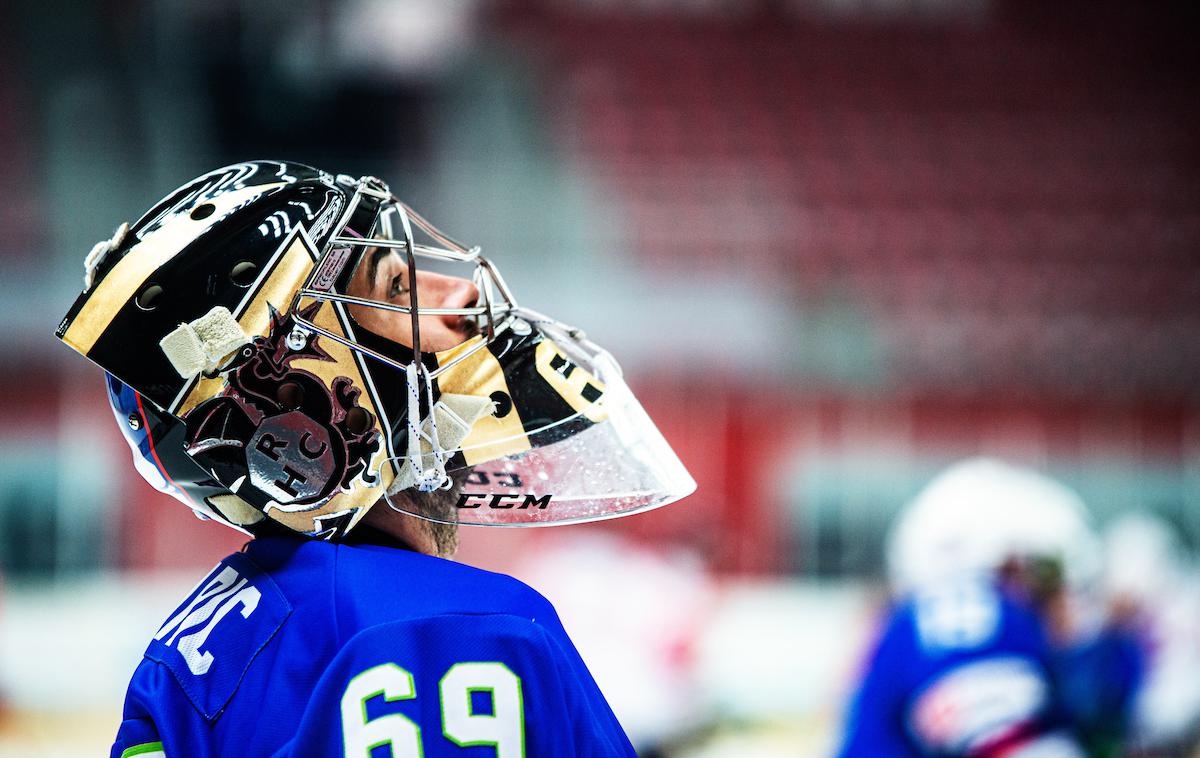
point(429, 523)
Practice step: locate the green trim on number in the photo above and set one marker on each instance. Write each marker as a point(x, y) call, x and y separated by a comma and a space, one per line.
point(148, 747)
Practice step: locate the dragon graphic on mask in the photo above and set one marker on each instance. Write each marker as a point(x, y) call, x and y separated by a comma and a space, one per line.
point(299, 439)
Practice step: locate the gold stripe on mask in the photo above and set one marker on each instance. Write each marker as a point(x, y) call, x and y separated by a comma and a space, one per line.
point(569, 380)
point(135, 268)
point(480, 374)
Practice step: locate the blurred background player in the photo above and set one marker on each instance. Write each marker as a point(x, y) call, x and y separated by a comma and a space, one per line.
point(991, 647)
point(1152, 590)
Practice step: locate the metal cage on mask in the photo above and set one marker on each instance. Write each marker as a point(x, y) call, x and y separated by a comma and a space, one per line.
point(584, 449)
point(320, 287)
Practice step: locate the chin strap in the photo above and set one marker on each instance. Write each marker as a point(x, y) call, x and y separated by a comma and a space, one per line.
point(432, 477)
point(444, 429)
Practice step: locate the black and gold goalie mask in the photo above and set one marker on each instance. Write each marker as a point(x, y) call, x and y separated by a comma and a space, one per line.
point(261, 329)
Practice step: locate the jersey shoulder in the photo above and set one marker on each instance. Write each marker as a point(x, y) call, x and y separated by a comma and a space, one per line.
point(212, 638)
point(202, 655)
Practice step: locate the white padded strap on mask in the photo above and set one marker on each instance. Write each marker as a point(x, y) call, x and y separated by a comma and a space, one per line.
point(202, 345)
point(92, 261)
point(444, 430)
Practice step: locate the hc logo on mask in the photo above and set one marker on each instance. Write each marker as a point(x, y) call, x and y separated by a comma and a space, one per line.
point(289, 457)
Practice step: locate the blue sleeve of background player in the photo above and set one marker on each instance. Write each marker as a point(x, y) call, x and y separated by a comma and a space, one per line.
point(458, 685)
point(875, 721)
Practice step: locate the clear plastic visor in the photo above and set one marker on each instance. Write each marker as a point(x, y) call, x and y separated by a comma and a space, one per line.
point(607, 461)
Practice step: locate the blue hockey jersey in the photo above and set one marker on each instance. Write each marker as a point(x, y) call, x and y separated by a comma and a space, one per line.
point(306, 648)
point(959, 671)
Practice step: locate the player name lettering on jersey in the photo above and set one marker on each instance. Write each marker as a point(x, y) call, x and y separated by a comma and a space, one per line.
point(189, 629)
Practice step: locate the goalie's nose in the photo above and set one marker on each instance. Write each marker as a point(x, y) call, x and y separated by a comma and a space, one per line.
point(436, 290)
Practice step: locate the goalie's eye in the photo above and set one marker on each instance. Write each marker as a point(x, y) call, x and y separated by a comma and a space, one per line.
point(397, 287)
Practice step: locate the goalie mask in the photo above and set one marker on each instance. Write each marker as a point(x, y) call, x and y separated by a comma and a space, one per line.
point(248, 327)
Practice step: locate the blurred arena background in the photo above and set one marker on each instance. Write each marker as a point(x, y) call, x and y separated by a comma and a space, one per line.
point(838, 244)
